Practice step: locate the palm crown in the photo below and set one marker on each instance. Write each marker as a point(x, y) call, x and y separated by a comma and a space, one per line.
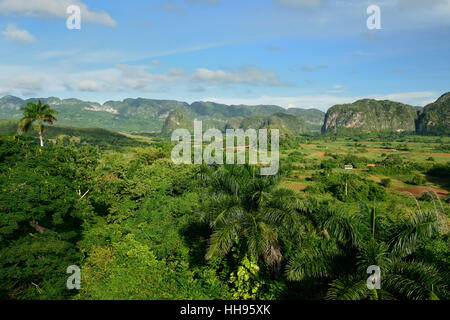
point(246, 208)
point(370, 238)
point(42, 113)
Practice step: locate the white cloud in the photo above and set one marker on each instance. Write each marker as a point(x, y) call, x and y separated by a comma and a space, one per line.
point(418, 98)
point(325, 101)
point(247, 75)
point(197, 88)
point(14, 34)
point(25, 84)
point(337, 88)
point(308, 68)
point(57, 54)
point(137, 77)
point(299, 3)
point(126, 77)
point(122, 78)
point(54, 9)
point(89, 85)
point(417, 13)
point(129, 80)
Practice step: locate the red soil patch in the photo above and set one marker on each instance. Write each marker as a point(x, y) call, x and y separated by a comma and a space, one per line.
point(321, 154)
point(441, 154)
point(419, 191)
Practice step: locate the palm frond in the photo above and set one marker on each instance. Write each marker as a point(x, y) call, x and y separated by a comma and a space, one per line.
point(406, 234)
point(348, 288)
point(24, 125)
point(344, 227)
point(311, 263)
point(225, 234)
point(373, 253)
point(413, 280)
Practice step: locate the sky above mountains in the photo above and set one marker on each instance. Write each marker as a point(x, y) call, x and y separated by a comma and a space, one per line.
point(292, 53)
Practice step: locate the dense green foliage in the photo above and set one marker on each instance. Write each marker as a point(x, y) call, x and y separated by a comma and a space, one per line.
point(99, 137)
point(41, 215)
point(141, 227)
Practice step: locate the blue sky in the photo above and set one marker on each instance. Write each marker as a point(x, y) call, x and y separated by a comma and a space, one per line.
point(293, 53)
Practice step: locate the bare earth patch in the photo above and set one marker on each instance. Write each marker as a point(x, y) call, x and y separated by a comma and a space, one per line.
point(419, 191)
point(321, 154)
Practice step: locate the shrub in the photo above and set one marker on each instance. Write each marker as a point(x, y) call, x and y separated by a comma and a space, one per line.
point(386, 182)
point(440, 170)
point(417, 180)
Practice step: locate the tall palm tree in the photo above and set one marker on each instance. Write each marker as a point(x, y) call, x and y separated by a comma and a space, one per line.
point(36, 112)
point(246, 208)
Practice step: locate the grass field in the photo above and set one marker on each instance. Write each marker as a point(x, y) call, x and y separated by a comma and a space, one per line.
point(424, 151)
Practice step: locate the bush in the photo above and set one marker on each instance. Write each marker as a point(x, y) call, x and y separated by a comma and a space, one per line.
point(328, 164)
point(440, 170)
point(392, 160)
point(386, 182)
point(417, 180)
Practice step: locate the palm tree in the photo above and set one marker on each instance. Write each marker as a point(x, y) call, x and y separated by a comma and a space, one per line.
point(36, 112)
point(373, 239)
point(246, 208)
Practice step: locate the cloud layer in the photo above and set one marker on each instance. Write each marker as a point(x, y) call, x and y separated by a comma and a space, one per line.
point(124, 77)
point(53, 9)
point(299, 3)
point(12, 33)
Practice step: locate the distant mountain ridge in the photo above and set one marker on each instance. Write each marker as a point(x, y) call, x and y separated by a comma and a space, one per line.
point(150, 115)
point(177, 120)
point(369, 115)
point(146, 115)
point(288, 124)
point(434, 118)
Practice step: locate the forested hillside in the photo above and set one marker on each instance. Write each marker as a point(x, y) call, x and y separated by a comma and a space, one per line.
point(140, 227)
point(95, 136)
point(286, 123)
point(370, 116)
point(145, 115)
point(435, 117)
point(149, 116)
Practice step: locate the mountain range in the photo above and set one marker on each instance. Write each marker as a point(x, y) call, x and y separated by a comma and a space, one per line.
point(369, 115)
point(149, 115)
point(155, 116)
